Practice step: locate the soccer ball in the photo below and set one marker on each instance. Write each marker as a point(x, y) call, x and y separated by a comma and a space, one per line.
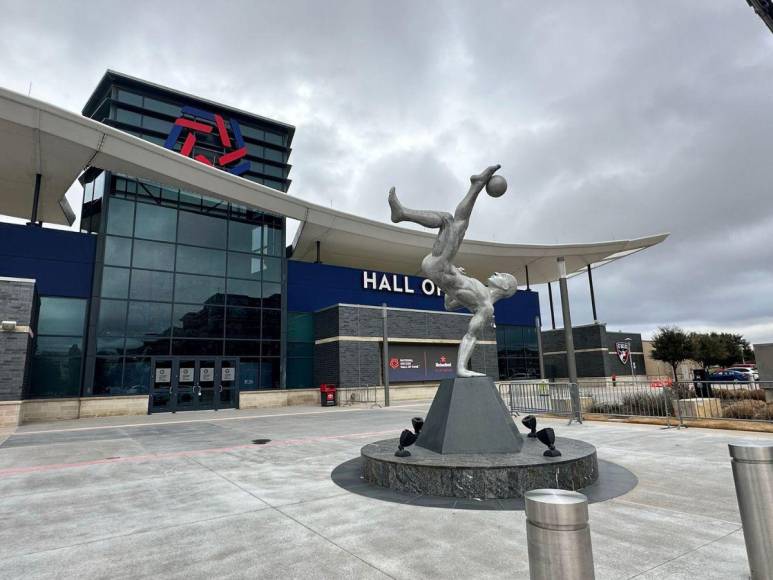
point(496, 186)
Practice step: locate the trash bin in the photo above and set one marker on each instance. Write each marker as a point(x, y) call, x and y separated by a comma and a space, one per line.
point(327, 395)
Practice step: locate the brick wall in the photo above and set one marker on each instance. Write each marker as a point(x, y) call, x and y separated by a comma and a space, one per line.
point(17, 299)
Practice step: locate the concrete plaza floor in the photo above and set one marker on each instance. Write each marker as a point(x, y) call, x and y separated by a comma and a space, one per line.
point(191, 496)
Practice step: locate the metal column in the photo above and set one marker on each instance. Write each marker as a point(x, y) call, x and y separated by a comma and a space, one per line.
point(753, 475)
point(571, 364)
point(552, 313)
point(385, 354)
point(528, 287)
point(35, 201)
point(592, 294)
point(558, 535)
point(538, 325)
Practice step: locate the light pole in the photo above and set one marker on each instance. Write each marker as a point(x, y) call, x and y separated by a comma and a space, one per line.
point(630, 360)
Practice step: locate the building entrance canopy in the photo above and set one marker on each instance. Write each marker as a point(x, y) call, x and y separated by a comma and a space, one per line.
point(37, 138)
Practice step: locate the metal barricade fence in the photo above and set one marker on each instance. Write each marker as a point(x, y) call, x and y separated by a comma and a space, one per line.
point(538, 397)
point(737, 400)
point(365, 395)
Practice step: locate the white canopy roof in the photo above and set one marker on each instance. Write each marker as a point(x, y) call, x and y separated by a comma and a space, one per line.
point(36, 137)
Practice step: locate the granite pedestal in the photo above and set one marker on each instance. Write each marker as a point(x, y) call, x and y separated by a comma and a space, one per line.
point(481, 475)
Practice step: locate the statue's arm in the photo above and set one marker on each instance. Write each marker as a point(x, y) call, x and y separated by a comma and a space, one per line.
point(451, 303)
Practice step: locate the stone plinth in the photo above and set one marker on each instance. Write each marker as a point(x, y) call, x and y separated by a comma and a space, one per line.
point(481, 475)
point(701, 408)
point(563, 405)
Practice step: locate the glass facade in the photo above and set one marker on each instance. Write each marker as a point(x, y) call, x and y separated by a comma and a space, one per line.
point(191, 277)
point(517, 352)
point(300, 349)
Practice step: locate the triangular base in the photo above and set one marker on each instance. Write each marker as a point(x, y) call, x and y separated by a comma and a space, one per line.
point(469, 416)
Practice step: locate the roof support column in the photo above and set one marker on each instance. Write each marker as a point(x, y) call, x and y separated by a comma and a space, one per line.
point(571, 364)
point(592, 295)
point(319, 253)
point(552, 313)
point(527, 277)
point(35, 201)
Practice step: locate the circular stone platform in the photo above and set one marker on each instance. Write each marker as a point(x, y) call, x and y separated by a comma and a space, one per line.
point(492, 475)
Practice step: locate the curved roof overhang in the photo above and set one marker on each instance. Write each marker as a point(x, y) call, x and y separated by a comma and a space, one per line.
point(39, 138)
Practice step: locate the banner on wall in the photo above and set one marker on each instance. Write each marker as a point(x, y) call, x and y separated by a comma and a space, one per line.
point(421, 362)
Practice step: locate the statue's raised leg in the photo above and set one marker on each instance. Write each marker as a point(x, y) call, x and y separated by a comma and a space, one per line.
point(426, 218)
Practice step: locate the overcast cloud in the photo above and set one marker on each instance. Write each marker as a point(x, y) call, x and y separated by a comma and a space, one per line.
point(610, 120)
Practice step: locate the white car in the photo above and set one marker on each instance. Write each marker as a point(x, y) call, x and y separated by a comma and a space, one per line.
point(751, 373)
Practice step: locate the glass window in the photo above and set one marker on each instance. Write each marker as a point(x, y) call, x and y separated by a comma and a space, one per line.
point(115, 282)
point(245, 266)
point(150, 285)
point(99, 186)
point(245, 237)
point(153, 255)
point(270, 348)
point(296, 349)
point(108, 373)
point(120, 217)
point(162, 107)
point(62, 316)
point(200, 261)
point(243, 323)
point(59, 345)
point(242, 347)
point(131, 98)
point(300, 327)
point(274, 171)
point(202, 230)
point(128, 117)
point(191, 347)
point(155, 124)
point(274, 184)
point(274, 155)
point(272, 295)
point(55, 376)
point(300, 373)
point(269, 373)
point(199, 289)
point(155, 222)
point(249, 374)
point(198, 321)
point(272, 240)
point(110, 346)
point(272, 269)
point(149, 318)
point(274, 138)
point(147, 346)
point(112, 318)
point(254, 133)
point(136, 376)
point(271, 324)
point(244, 292)
point(118, 251)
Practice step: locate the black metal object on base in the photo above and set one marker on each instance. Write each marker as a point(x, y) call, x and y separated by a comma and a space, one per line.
point(468, 416)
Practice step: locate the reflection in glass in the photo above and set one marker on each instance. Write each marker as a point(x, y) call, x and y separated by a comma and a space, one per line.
point(243, 323)
point(153, 255)
point(155, 222)
point(197, 347)
point(245, 237)
point(300, 327)
point(271, 324)
point(62, 316)
point(198, 321)
point(108, 373)
point(112, 318)
point(149, 319)
point(202, 230)
point(272, 295)
point(120, 217)
point(58, 345)
point(118, 251)
point(245, 266)
point(151, 285)
point(115, 282)
point(55, 376)
point(242, 347)
point(110, 346)
point(200, 261)
point(136, 376)
point(199, 289)
point(244, 292)
point(147, 346)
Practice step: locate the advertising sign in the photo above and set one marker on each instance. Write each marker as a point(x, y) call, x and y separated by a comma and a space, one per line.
point(206, 374)
point(163, 375)
point(421, 362)
point(228, 374)
point(186, 374)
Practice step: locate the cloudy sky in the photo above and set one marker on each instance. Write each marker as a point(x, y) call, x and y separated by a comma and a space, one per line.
point(610, 119)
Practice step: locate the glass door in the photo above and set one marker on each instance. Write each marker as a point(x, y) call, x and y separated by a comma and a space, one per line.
point(161, 386)
point(205, 387)
point(229, 369)
point(185, 387)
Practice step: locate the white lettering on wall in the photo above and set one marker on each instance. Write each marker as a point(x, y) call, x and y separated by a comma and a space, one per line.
point(368, 280)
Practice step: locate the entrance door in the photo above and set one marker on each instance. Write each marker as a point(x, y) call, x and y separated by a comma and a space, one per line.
point(189, 384)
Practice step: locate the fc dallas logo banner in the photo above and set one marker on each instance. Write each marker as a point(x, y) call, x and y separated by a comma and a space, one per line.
point(623, 351)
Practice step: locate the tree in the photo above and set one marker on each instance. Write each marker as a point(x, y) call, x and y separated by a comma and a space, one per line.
point(671, 345)
point(708, 348)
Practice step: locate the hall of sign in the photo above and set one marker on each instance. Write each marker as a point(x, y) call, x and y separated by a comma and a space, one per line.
point(396, 283)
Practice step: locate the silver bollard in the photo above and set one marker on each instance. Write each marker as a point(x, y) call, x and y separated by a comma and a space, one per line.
point(558, 535)
point(753, 475)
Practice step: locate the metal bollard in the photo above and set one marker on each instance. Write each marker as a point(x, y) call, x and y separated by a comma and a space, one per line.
point(558, 535)
point(753, 475)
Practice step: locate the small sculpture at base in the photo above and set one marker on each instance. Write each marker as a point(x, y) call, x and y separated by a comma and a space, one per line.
point(548, 437)
point(408, 437)
point(530, 422)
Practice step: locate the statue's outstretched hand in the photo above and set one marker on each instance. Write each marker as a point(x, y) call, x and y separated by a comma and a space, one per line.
point(486, 174)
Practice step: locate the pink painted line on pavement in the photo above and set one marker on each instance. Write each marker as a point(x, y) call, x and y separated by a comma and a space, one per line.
point(174, 454)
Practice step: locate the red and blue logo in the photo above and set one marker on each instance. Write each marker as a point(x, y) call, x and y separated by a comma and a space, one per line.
point(199, 122)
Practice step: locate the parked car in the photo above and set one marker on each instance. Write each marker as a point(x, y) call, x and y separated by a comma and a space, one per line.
point(751, 373)
point(729, 376)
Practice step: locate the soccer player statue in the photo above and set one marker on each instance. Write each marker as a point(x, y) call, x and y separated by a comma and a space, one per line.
point(460, 291)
